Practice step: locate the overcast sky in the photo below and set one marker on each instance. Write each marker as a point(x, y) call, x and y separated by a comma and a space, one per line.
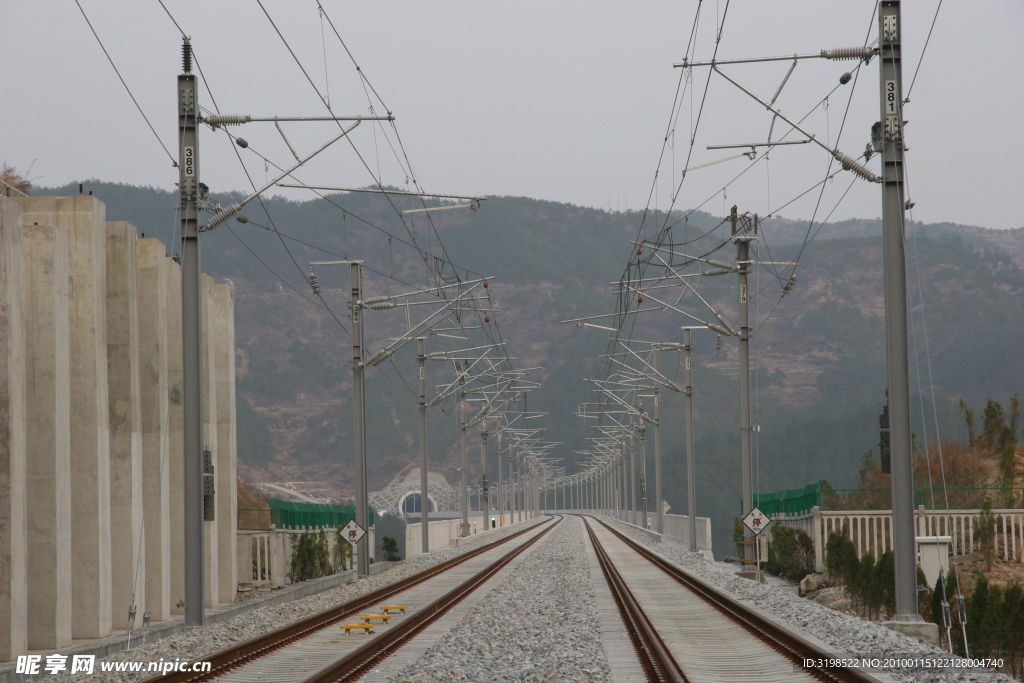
point(567, 101)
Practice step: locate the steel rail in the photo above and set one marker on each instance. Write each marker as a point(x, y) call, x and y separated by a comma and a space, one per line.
point(242, 653)
point(780, 639)
point(655, 658)
point(355, 663)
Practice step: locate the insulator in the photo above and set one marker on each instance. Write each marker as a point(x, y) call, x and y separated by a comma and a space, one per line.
point(717, 271)
point(841, 53)
point(720, 264)
point(789, 285)
point(186, 57)
point(222, 216)
point(850, 164)
point(380, 305)
point(718, 342)
point(379, 357)
point(314, 282)
point(226, 119)
point(374, 300)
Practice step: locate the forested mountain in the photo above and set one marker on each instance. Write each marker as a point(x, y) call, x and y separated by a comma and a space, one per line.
point(820, 375)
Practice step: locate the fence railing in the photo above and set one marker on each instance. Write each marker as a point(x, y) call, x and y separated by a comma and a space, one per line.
point(871, 530)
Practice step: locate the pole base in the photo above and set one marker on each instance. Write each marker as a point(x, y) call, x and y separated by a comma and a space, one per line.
point(464, 529)
point(922, 630)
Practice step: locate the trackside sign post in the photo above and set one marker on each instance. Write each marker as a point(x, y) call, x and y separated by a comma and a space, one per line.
point(352, 532)
point(757, 522)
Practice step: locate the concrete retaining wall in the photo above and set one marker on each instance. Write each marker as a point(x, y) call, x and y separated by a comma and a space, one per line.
point(48, 407)
point(91, 465)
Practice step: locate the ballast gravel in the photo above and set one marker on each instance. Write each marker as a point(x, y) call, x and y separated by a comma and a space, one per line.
point(845, 633)
point(539, 624)
point(201, 642)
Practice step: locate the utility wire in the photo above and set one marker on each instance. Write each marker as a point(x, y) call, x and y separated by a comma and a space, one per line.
point(906, 97)
point(174, 162)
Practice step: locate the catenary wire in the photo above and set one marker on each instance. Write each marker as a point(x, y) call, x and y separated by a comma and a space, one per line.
point(174, 162)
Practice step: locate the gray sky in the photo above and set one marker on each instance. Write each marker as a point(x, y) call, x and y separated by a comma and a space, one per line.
point(567, 101)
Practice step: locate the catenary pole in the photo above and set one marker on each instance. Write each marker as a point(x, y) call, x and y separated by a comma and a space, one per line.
point(485, 494)
point(742, 238)
point(359, 416)
point(632, 472)
point(657, 446)
point(894, 256)
point(691, 474)
point(464, 456)
point(192, 337)
point(501, 482)
point(642, 430)
point(421, 357)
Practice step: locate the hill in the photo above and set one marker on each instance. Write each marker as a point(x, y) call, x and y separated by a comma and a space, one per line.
point(820, 368)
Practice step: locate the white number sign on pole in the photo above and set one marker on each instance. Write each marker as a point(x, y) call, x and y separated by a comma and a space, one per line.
point(756, 521)
point(352, 532)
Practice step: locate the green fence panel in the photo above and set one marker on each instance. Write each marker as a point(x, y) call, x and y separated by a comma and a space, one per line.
point(287, 514)
point(790, 502)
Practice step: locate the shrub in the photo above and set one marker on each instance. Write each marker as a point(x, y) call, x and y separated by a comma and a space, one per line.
point(342, 552)
point(390, 548)
point(310, 557)
point(790, 553)
point(985, 532)
point(737, 536)
point(840, 559)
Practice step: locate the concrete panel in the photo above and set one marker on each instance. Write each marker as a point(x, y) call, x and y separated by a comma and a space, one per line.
point(48, 404)
point(127, 547)
point(83, 219)
point(211, 551)
point(227, 441)
point(13, 554)
point(152, 283)
point(175, 437)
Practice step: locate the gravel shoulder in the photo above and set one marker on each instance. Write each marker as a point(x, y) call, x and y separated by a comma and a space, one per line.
point(539, 624)
point(844, 633)
point(201, 642)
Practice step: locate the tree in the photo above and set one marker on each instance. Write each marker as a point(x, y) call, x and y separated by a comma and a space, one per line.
point(985, 532)
point(969, 421)
point(993, 424)
point(1013, 618)
point(1007, 442)
point(390, 548)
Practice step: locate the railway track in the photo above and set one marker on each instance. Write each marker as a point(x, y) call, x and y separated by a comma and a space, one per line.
point(700, 633)
point(314, 646)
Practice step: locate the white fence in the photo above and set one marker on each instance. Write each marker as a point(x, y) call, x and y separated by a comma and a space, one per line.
point(264, 557)
point(871, 530)
point(443, 533)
